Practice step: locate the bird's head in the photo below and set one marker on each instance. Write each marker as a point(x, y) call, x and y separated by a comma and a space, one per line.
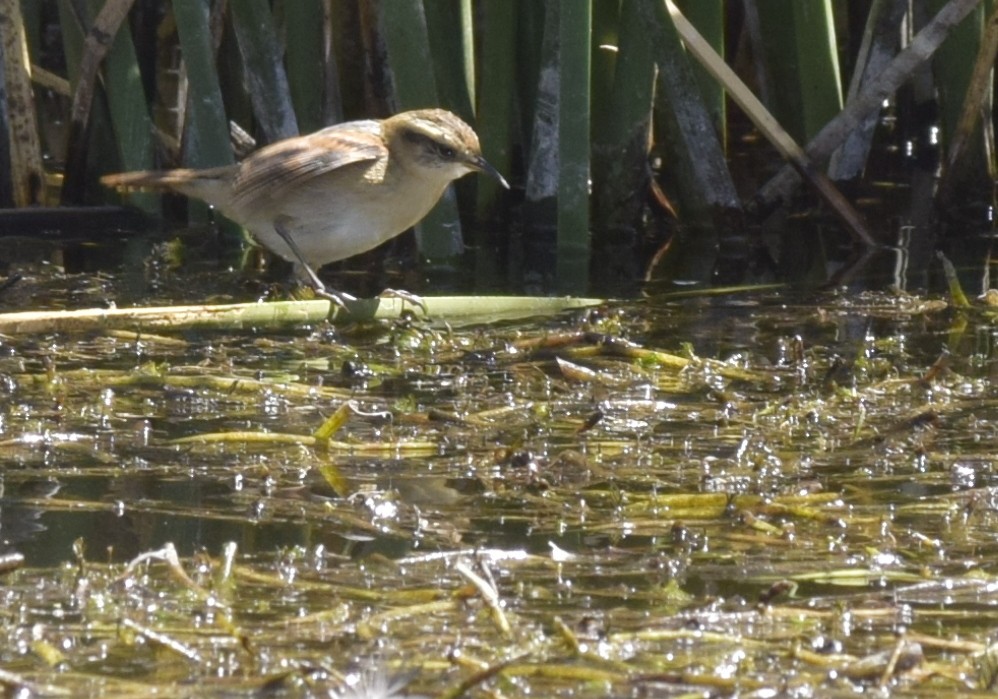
point(436, 143)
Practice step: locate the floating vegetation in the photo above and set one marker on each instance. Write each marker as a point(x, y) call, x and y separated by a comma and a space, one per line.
point(723, 494)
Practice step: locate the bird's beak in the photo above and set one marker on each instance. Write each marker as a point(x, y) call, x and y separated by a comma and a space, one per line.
point(482, 164)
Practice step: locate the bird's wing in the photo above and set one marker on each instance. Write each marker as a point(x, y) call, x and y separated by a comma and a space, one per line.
point(293, 161)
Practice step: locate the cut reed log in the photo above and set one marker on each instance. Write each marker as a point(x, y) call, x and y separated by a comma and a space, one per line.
point(27, 174)
point(281, 314)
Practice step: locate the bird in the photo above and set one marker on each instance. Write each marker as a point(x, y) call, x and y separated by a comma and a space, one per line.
point(334, 193)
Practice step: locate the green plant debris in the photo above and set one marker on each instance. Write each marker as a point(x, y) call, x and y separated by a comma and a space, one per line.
point(612, 503)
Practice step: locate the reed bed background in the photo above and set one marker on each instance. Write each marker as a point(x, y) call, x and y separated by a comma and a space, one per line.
point(643, 137)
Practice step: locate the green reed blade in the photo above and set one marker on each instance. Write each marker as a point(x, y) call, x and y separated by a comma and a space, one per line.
point(206, 132)
point(303, 45)
point(495, 114)
point(411, 64)
point(450, 31)
point(574, 61)
point(801, 60)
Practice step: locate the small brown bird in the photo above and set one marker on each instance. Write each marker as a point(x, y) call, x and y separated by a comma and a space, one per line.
point(337, 192)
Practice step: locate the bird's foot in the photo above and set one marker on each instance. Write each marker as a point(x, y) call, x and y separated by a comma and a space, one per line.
point(406, 296)
point(340, 298)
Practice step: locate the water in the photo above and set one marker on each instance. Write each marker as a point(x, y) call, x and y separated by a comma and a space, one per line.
point(806, 508)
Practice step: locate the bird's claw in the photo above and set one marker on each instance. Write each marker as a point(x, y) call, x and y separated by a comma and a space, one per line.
point(339, 298)
point(406, 296)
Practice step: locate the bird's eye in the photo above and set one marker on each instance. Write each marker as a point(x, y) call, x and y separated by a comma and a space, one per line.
point(441, 149)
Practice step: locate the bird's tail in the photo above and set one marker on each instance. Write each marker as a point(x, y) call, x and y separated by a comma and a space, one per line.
point(211, 185)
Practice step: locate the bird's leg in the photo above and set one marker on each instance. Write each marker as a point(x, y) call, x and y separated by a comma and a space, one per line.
point(339, 298)
point(302, 265)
